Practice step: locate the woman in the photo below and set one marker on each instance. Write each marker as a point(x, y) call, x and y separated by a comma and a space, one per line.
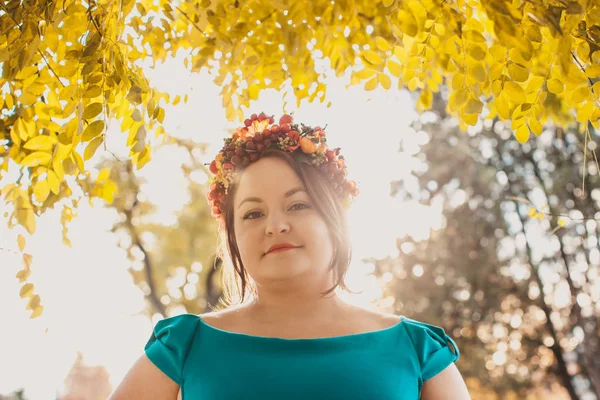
point(279, 195)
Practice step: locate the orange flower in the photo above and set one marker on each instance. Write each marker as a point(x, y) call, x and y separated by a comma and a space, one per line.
point(307, 145)
point(258, 127)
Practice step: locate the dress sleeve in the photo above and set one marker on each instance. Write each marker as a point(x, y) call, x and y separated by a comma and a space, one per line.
point(435, 349)
point(170, 342)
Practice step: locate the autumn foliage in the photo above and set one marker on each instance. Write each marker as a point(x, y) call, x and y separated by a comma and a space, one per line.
point(69, 68)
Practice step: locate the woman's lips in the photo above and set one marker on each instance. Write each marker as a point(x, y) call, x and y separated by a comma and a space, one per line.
point(282, 249)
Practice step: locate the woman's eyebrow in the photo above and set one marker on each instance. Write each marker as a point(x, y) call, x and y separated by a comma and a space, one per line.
point(287, 194)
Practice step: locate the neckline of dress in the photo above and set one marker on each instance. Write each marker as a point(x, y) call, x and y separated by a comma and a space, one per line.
point(320, 339)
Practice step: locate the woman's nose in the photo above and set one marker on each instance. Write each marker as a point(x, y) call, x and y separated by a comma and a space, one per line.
point(277, 223)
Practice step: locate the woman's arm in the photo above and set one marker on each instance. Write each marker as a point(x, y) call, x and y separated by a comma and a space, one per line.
point(447, 385)
point(144, 381)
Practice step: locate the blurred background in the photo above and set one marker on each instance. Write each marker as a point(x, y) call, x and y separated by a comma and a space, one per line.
point(450, 228)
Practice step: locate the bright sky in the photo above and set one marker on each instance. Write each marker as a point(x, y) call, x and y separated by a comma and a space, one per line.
point(89, 298)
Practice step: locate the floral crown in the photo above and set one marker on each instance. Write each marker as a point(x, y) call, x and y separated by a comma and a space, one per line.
point(259, 133)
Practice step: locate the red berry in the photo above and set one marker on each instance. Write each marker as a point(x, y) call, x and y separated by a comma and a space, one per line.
point(213, 167)
point(266, 133)
point(213, 186)
point(254, 156)
point(250, 146)
point(253, 117)
point(228, 165)
point(258, 137)
point(285, 127)
point(330, 154)
point(271, 120)
point(236, 160)
point(275, 128)
point(285, 119)
point(260, 147)
point(262, 116)
point(247, 122)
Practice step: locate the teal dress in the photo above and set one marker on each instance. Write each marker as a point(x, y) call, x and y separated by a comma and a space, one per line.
point(209, 363)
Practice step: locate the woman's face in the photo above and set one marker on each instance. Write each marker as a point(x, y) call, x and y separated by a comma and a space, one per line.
point(271, 206)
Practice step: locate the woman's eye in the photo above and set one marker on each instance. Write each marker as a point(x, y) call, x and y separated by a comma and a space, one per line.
point(300, 204)
point(247, 216)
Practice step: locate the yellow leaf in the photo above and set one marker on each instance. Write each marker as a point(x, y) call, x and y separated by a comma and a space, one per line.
point(581, 94)
point(92, 110)
point(460, 97)
point(502, 106)
point(41, 190)
point(518, 72)
point(476, 52)
point(78, 161)
point(593, 71)
point(37, 312)
point(21, 241)
point(498, 53)
point(372, 57)
point(413, 84)
point(470, 119)
point(382, 44)
point(23, 274)
point(521, 110)
point(532, 212)
point(41, 142)
point(58, 168)
point(26, 290)
point(176, 100)
point(92, 147)
point(103, 175)
point(34, 302)
point(478, 72)
point(440, 29)
point(496, 87)
point(366, 73)
point(92, 130)
point(458, 81)
point(514, 92)
point(399, 52)
point(385, 81)
point(36, 158)
point(425, 99)
point(53, 182)
point(522, 134)
point(555, 86)
point(27, 260)
point(394, 67)
point(371, 84)
point(143, 158)
point(535, 126)
point(585, 111)
point(473, 106)
point(535, 84)
point(92, 91)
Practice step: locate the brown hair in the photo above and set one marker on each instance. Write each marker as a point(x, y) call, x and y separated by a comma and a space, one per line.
point(235, 277)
